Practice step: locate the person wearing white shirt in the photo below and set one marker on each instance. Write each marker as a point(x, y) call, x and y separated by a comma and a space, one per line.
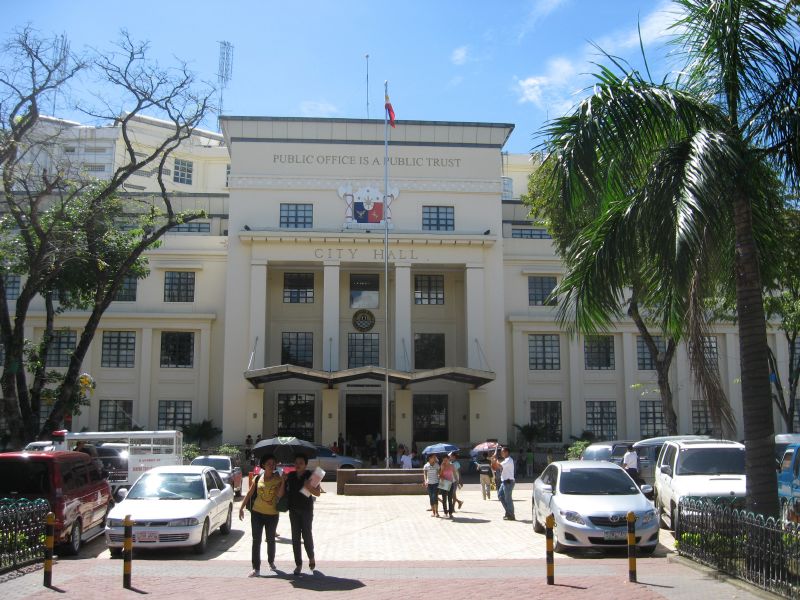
point(630, 462)
point(506, 468)
point(405, 460)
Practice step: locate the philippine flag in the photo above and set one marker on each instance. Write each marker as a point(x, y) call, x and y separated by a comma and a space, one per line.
point(368, 214)
point(389, 111)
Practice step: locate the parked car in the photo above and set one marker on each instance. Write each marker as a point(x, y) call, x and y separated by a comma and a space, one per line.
point(71, 483)
point(782, 441)
point(590, 501)
point(789, 483)
point(711, 469)
point(330, 461)
point(199, 504)
point(40, 446)
point(649, 449)
point(227, 467)
point(612, 451)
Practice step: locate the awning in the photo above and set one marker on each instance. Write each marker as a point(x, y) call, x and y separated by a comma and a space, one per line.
point(473, 377)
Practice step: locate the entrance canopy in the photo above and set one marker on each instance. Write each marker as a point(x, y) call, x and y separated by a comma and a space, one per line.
point(472, 377)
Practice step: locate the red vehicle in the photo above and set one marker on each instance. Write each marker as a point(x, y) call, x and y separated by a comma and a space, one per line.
point(72, 484)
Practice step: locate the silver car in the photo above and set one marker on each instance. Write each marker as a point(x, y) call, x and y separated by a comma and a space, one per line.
point(330, 461)
point(590, 501)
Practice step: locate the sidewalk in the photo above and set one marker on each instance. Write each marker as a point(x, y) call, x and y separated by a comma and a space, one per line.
point(385, 547)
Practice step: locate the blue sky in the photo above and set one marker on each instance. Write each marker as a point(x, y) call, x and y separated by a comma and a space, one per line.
point(506, 61)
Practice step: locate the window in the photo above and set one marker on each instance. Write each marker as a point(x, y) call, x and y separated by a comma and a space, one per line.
point(115, 415)
point(428, 350)
point(179, 286)
point(710, 350)
point(62, 345)
point(598, 352)
point(174, 414)
point(298, 288)
point(544, 352)
point(192, 227)
point(428, 289)
point(183, 171)
point(651, 418)
point(364, 291)
point(530, 233)
point(94, 167)
point(430, 417)
point(12, 285)
point(94, 149)
point(127, 291)
point(177, 349)
point(119, 349)
point(297, 216)
point(539, 289)
point(297, 348)
point(438, 218)
point(508, 188)
point(546, 415)
point(601, 418)
point(227, 175)
point(701, 418)
point(645, 360)
point(795, 357)
point(362, 349)
point(296, 415)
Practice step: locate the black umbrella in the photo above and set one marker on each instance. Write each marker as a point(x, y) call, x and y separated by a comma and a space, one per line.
point(284, 449)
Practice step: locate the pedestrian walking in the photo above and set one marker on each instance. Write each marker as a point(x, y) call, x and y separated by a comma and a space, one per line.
point(430, 479)
point(405, 460)
point(447, 480)
point(529, 461)
point(506, 469)
point(248, 446)
point(484, 466)
point(630, 462)
point(301, 512)
point(262, 500)
point(456, 482)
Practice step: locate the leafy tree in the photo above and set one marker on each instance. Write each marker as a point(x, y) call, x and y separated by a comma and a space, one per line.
point(201, 432)
point(60, 228)
point(691, 173)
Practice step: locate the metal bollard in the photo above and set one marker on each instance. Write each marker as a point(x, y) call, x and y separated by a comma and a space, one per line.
point(49, 539)
point(127, 552)
point(549, 523)
point(631, 547)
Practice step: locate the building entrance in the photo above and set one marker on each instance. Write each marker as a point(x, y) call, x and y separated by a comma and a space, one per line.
point(363, 427)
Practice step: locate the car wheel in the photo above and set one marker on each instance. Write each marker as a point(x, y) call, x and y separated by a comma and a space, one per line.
point(647, 550)
point(202, 545)
point(537, 526)
point(226, 526)
point(347, 467)
point(72, 547)
point(115, 552)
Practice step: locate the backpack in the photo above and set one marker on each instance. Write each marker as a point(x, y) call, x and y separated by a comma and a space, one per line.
point(254, 494)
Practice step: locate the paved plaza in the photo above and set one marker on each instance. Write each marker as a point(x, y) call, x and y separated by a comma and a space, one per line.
point(384, 547)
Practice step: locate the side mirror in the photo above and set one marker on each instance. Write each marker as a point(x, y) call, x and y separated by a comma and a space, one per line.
point(547, 488)
point(666, 470)
point(647, 490)
point(122, 493)
point(214, 493)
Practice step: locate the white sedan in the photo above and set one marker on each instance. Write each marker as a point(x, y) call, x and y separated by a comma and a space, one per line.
point(172, 506)
point(590, 501)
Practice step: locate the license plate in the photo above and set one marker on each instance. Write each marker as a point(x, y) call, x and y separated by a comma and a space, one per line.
point(146, 536)
point(615, 535)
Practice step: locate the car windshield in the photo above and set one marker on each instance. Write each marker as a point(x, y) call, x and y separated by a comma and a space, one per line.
point(168, 486)
point(596, 482)
point(711, 461)
point(220, 464)
point(23, 478)
point(597, 453)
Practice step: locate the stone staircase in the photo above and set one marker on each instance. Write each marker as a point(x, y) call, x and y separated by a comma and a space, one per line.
point(379, 482)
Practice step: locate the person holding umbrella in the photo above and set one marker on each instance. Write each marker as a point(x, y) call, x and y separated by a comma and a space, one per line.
point(447, 481)
point(301, 511)
point(268, 487)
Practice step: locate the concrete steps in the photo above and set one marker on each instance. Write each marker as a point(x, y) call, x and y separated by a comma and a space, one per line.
point(379, 482)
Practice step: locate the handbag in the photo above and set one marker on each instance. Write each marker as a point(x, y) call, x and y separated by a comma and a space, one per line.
point(252, 499)
point(445, 484)
point(283, 503)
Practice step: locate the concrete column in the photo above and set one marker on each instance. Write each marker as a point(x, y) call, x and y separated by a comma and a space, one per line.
point(258, 313)
point(404, 417)
point(330, 316)
point(147, 354)
point(577, 403)
point(253, 418)
point(631, 396)
point(403, 340)
point(201, 402)
point(482, 425)
point(329, 420)
point(475, 303)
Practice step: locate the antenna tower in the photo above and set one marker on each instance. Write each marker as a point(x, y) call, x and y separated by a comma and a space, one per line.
point(225, 71)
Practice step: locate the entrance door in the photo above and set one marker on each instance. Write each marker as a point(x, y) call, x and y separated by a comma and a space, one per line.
point(362, 426)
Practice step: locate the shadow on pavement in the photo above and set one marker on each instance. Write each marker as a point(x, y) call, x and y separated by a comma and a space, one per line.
point(319, 582)
point(469, 520)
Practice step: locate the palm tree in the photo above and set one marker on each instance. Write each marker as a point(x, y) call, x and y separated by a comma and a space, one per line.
point(688, 174)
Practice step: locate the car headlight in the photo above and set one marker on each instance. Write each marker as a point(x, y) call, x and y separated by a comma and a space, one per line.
point(183, 522)
point(648, 517)
point(115, 523)
point(572, 517)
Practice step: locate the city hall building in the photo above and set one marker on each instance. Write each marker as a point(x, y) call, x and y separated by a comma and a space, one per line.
point(311, 282)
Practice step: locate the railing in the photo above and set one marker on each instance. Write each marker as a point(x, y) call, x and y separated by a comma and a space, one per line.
point(764, 552)
point(21, 532)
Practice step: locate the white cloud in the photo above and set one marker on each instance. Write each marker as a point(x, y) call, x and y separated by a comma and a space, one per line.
point(459, 55)
point(549, 87)
point(539, 10)
point(310, 108)
point(654, 28)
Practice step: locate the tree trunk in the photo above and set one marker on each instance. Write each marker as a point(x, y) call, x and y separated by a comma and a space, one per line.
point(762, 488)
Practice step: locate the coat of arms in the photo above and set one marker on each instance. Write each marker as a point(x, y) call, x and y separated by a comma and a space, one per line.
point(366, 207)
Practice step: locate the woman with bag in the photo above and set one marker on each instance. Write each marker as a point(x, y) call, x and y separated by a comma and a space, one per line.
point(262, 502)
point(447, 478)
point(301, 511)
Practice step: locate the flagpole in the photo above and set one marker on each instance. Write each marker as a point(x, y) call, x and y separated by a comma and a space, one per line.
point(386, 262)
